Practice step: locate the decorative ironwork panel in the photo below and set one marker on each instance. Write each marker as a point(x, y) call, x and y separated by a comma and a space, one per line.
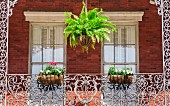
point(86, 89)
point(144, 90)
point(166, 46)
point(164, 10)
point(5, 12)
point(26, 90)
point(3, 47)
point(92, 90)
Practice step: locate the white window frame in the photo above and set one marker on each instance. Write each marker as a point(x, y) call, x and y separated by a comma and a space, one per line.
point(125, 18)
point(45, 18)
point(136, 24)
point(30, 43)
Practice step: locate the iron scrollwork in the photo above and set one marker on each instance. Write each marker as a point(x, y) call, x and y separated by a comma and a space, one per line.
point(146, 89)
point(86, 89)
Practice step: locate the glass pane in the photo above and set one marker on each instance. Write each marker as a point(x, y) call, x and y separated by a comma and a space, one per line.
point(47, 53)
point(36, 69)
point(119, 53)
point(58, 53)
point(45, 65)
point(45, 35)
point(59, 34)
point(119, 67)
point(36, 53)
point(111, 39)
point(133, 68)
point(58, 65)
point(120, 35)
point(106, 68)
point(130, 53)
point(108, 53)
point(36, 35)
point(51, 36)
point(131, 32)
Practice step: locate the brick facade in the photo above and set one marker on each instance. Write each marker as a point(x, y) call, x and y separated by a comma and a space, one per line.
point(150, 43)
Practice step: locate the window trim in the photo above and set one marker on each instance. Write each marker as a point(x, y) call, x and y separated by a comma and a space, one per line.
point(30, 43)
point(44, 16)
point(137, 45)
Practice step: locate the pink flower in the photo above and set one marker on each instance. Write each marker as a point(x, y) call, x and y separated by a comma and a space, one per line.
point(53, 63)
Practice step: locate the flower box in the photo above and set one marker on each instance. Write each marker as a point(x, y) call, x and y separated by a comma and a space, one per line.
point(51, 75)
point(123, 76)
point(50, 80)
point(119, 79)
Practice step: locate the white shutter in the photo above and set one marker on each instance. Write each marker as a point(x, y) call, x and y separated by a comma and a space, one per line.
point(59, 34)
point(44, 36)
point(36, 35)
point(130, 32)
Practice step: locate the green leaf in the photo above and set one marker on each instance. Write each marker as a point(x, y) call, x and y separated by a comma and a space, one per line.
point(93, 23)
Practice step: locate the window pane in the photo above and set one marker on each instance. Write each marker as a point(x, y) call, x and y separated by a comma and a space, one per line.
point(36, 53)
point(36, 69)
point(46, 36)
point(119, 54)
point(44, 66)
point(131, 31)
point(36, 35)
point(111, 39)
point(58, 65)
point(47, 53)
point(47, 45)
point(120, 35)
point(130, 53)
point(106, 68)
point(108, 53)
point(119, 67)
point(133, 68)
point(51, 36)
point(121, 51)
point(59, 34)
point(59, 53)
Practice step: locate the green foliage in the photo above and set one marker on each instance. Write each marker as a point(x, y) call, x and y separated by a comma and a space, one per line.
point(124, 72)
point(52, 70)
point(91, 23)
point(112, 71)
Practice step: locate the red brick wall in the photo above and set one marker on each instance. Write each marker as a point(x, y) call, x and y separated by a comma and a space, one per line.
point(150, 51)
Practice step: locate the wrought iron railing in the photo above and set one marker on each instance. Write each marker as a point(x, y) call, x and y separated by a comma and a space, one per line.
point(86, 89)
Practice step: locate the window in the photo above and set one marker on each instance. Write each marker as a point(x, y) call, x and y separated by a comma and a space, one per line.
point(47, 45)
point(121, 51)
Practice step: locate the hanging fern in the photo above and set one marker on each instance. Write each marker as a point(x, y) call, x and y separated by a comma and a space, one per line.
point(91, 23)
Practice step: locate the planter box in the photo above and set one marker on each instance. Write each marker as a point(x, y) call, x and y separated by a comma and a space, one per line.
point(119, 79)
point(50, 79)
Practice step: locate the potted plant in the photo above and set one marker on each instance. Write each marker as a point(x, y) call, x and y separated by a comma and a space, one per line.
point(88, 28)
point(123, 76)
point(51, 75)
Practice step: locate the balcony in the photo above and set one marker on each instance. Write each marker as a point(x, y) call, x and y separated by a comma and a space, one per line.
point(86, 90)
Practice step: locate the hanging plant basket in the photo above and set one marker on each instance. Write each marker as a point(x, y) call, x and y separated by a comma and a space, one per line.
point(89, 22)
point(85, 41)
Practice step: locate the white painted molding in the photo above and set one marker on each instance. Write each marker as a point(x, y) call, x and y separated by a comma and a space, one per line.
point(59, 16)
point(44, 16)
point(125, 16)
point(152, 2)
